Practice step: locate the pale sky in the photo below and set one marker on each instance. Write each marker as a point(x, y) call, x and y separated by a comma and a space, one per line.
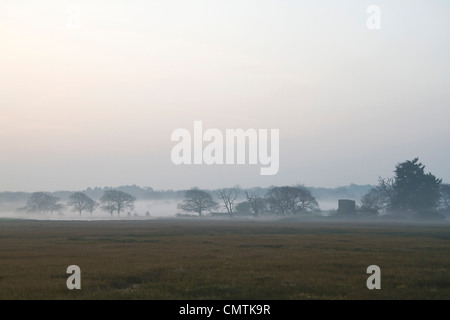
point(90, 91)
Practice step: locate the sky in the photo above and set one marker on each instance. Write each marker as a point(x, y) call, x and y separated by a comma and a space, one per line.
point(91, 91)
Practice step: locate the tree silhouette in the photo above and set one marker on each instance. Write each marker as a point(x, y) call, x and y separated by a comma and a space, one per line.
point(228, 197)
point(285, 200)
point(197, 201)
point(257, 203)
point(81, 202)
point(42, 202)
point(414, 190)
point(379, 198)
point(445, 196)
point(114, 200)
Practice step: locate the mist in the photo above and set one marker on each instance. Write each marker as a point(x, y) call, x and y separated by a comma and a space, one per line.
point(150, 204)
point(143, 208)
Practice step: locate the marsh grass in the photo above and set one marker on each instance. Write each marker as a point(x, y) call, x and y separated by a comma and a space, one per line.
point(204, 259)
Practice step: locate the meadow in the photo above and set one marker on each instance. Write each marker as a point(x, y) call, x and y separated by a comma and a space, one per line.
point(223, 259)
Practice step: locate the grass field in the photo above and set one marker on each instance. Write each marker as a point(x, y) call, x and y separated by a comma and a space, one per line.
point(219, 259)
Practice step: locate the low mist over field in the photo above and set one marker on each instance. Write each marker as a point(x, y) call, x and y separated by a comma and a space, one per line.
point(137, 203)
point(163, 204)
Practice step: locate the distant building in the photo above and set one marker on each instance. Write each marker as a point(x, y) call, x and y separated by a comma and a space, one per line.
point(346, 207)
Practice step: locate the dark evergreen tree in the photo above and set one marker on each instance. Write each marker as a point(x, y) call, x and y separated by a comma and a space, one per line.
point(414, 190)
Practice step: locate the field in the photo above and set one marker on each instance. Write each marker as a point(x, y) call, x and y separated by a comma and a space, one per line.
point(220, 259)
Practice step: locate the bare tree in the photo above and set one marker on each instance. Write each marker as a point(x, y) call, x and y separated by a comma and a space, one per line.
point(445, 196)
point(291, 200)
point(243, 208)
point(109, 207)
point(257, 203)
point(92, 208)
point(197, 201)
point(81, 202)
point(42, 202)
point(379, 198)
point(114, 200)
point(228, 197)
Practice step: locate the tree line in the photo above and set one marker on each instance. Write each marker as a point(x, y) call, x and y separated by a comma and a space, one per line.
point(278, 200)
point(112, 201)
point(411, 192)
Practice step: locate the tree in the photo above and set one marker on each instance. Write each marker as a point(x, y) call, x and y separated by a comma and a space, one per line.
point(228, 197)
point(293, 200)
point(257, 203)
point(243, 208)
point(109, 207)
point(445, 196)
point(91, 209)
point(42, 202)
point(413, 189)
point(81, 202)
point(114, 200)
point(197, 201)
point(379, 198)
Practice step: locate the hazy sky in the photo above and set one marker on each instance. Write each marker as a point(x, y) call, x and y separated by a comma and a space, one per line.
point(90, 91)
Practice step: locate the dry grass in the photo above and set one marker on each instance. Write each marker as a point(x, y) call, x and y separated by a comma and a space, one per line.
point(202, 259)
